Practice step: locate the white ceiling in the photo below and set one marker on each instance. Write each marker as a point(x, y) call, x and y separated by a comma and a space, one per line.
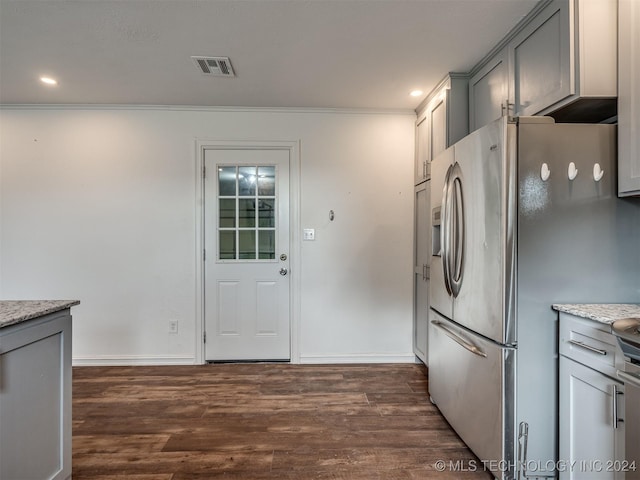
point(286, 53)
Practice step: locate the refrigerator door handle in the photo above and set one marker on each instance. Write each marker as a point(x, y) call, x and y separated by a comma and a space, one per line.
point(453, 233)
point(459, 340)
point(445, 230)
point(456, 268)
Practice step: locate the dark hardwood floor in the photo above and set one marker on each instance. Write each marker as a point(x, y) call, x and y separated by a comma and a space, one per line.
point(261, 421)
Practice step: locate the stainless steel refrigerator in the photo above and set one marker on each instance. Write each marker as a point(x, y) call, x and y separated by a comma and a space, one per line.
point(524, 215)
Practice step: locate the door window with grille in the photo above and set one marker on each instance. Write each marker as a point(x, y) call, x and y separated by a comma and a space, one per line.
point(247, 212)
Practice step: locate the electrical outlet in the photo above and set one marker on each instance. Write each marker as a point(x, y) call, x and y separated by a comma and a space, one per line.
point(173, 326)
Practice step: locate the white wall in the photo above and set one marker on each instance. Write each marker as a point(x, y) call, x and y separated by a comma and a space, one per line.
point(100, 205)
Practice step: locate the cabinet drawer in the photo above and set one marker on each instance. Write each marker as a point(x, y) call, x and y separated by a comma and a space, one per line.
point(589, 342)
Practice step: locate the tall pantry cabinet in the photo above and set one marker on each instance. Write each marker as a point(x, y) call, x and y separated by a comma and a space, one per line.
point(442, 120)
point(422, 257)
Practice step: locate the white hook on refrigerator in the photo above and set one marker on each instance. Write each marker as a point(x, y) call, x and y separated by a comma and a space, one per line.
point(597, 172)
point(544, 172)
point(572, 172)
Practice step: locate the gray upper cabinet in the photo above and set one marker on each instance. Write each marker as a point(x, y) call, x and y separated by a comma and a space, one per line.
point(629, 99)
point(438, 126)
point(560, 61)
point(442, 120)
point(488, 91)
point(540, 61)
point(421, 165)
point(567, 53)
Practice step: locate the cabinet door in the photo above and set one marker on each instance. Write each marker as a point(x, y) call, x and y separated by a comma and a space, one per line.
point(597, 44)
point(629, 98)
point(444, 121)
point(422, 255)
point(541, 62)
point(437, 115)
point(35, 399)
point(488, 92)
point(422, 151)
point(431, 135)
point(591, 424)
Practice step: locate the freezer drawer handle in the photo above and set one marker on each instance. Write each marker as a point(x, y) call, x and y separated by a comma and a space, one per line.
point(459, 340)
point(587, 347)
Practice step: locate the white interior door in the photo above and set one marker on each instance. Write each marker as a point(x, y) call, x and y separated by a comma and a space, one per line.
point(246, 302)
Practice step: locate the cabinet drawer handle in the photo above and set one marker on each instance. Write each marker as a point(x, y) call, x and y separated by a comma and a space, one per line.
point(616, 420)
point(587, 347)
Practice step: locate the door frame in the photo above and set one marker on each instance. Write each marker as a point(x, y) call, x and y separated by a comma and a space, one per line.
point(293, 147)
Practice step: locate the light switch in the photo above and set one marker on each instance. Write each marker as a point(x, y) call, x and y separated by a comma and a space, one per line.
point(309, 234)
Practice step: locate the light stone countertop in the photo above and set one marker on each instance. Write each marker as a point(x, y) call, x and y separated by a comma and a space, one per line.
point(606, 313)
point(17, 311)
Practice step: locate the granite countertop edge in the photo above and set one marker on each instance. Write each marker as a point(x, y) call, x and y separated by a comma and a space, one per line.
point(606, 313)
point(13, 312)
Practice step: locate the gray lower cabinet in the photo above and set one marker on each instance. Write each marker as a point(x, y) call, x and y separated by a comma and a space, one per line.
point(422, 257)
point(592, 402)
point(591, 429)
point(35, 399)
point(628, 98)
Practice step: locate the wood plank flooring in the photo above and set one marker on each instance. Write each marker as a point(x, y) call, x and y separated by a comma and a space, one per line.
point(261, 421)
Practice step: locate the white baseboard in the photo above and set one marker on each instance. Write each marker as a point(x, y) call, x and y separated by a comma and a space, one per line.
point(359, 358)
point(129, 360)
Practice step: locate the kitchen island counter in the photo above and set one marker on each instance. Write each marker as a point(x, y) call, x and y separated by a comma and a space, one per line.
point(35, 391)
point(606, 313)
point(13, 312)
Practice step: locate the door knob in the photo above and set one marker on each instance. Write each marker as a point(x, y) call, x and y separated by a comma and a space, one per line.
point(283, 271)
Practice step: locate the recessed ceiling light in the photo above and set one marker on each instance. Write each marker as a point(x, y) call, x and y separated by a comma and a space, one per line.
point(416, 93)
point(49, 80)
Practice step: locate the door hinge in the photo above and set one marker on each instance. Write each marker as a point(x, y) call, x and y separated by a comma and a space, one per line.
point(204, 171)
point(204, 337)
point(204, 255)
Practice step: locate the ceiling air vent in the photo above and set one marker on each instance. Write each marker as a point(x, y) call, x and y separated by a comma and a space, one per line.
point(216, 66)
